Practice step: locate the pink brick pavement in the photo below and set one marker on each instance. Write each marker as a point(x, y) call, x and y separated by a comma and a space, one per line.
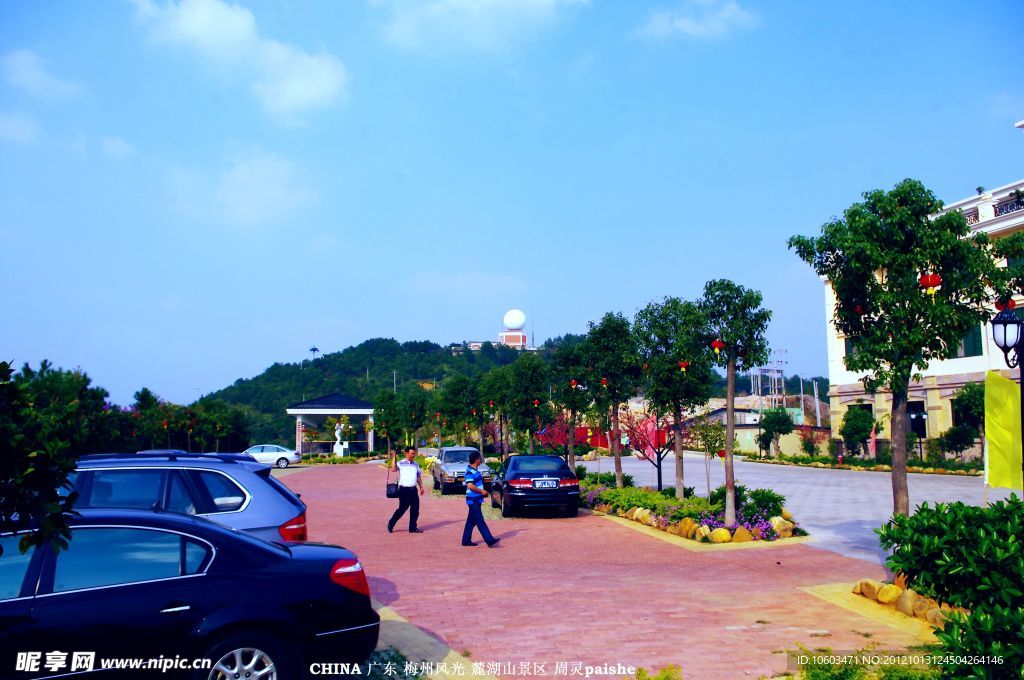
point(586, 589)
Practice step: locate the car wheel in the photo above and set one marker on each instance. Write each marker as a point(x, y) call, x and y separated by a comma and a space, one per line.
point(282, 463)
point(572, 510)
point(494, 503)
point(250, 655)
point(506, 506)
point(437, 485)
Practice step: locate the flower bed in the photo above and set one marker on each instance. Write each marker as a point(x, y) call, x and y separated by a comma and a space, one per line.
point(760, 514)
point(861, 465)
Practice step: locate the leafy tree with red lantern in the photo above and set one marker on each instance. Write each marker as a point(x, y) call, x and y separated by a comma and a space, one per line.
point(458, 400)
point(614, 361)
point(738, 324)
point(672, 337)
point(570, 394)
point(529, 406)
point(496, 392)
point(909, 284)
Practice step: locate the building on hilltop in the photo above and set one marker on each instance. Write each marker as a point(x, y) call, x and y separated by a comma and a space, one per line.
point(998, 213)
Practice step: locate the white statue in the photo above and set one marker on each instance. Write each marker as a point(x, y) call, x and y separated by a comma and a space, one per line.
point(337, 433)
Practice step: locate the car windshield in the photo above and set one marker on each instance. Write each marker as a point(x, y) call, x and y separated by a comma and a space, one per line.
point(529, 464)
point(456, 456)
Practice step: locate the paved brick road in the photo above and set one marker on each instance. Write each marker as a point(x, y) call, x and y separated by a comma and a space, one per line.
point(587, 589)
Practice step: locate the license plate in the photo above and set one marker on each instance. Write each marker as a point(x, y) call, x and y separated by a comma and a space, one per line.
point(545, 484)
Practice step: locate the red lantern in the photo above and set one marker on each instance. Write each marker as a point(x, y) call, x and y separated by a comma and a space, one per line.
point(646, 367)
point(721, 453)
point(491, 404)
point(473, 412)
point(573, 384)
point(683, 365)
point(858, 310)
point(536, 403)
point(604, 382)
point(930, 282)
point(438, 415)
point(717, 345)
point(1005, 303)
point(444, 422)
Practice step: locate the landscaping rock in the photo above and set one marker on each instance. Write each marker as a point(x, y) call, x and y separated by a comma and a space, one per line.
point(692, 531)
point(741, 535)
point(922, 605)
point(782, 527)
point(641, 515)
point(757, 533)
point(905, 602)
point(721, 535)
point(856, 588)
point(786, 514)
point(631, 513)
point(888, 594)
point(685, 525)
point(936, 617)
point(703, 533)
point(869, 588)
point(650, 520)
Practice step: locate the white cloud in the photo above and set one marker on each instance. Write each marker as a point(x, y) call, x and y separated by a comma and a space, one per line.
point(289, 82)
point(16, 127)
point(697, 19)
point(115, 147)
point(25, 70)
point(261, 188)
point(483, 25)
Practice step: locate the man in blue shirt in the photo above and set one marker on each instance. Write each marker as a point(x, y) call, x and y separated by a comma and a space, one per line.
point(475, 493)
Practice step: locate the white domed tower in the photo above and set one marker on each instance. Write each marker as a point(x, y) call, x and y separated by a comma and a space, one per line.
point(514, 334)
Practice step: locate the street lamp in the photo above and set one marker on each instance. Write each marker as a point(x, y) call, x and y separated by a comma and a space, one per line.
point(1006, 333)
point(924, 418)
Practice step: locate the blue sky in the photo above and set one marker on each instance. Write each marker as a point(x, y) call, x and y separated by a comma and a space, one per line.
point(193, 190)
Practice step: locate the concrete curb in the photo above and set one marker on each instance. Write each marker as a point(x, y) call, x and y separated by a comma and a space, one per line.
point(702, 547)
point(842, 595)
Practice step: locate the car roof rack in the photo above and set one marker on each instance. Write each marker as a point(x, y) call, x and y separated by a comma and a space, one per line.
point(171, 454)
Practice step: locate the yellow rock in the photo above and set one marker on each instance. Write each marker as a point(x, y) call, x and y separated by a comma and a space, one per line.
point(783, 528)
point(703, 532)
point(741, 535)
point(721, 535)
point(641, 515)
point(856, 588)
point(922, 605)
point(888, 594)
point(631, 513)
point(786, 514)
point(692, 531)
point(905, 602)
point(869, 588)
point(685, 526)
point(936, 617)
point(673, 529)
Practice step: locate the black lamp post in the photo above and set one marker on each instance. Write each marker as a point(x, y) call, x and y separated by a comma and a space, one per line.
point(923, 417)
point(1006, 333)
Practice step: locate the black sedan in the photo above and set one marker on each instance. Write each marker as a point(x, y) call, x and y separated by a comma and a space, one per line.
point(535, 482)
point(142, 586)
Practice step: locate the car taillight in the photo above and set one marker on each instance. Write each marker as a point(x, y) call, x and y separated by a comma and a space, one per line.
point(568, 481)
point(294, 529)
point(348, 573)
point(520, 482)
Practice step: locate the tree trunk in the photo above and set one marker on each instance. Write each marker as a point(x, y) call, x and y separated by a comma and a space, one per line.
point(572, 444)
point(778, 448)
point(677, 430)
point(615, 447)
point(900, 492)
point(730, 438)
point(481, 438)
point(529, 439)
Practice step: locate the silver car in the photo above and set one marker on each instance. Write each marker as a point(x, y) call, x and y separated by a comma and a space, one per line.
point(272, 454)
point(449, 470)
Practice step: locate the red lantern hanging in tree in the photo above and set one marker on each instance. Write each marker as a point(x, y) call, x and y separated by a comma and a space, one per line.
point(573, 384)
point(858, 310)
point(604, 382)
point(683, 365)
point(536, 403)
point(721, 453)
point(473, 412)
point(930, 283)
point(717, 345)
point(1005, 303)
point(491, 404)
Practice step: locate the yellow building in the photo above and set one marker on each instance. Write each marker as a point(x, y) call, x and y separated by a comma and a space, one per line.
point(929, 409)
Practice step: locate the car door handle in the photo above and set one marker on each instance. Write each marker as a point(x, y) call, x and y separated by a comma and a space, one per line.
point(175, 610)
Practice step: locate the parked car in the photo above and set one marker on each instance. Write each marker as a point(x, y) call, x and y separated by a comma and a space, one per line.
point(535, 482)
point(143, 584)
point(237, 493)
point(272, 454)
point(449, 469)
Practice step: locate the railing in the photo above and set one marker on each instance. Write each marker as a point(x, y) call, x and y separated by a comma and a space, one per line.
point(1008, 207)
point(972, 217)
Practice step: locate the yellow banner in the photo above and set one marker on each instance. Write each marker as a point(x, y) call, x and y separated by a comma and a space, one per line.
point(1002, 433)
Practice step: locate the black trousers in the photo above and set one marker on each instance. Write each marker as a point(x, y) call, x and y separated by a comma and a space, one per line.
point(408, 499)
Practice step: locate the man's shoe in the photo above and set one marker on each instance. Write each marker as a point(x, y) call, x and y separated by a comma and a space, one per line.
point(390, 528)
point(471, 543)
point(491, 544)
point(415, 531)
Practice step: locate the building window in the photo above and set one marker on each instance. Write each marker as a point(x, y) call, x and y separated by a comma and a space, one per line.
point(1014, 261)
point(848, 346)
point(970, 346)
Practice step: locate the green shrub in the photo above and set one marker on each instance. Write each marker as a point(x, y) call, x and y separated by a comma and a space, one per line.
point(933, 452)
point(995, 631)
point(958, 439)
point(608, 478)
point(670, 492)
point(581, 471)
point(764, 502)
point(670, 508)
point(718, 495)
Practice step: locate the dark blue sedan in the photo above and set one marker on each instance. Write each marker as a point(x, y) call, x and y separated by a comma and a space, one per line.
point(147, 586)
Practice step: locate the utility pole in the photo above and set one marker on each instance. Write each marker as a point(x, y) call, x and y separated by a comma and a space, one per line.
point(817, 403)
point(801, 400)
point(394, 381)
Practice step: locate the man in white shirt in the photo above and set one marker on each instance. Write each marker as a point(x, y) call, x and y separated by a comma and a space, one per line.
point(409, 477)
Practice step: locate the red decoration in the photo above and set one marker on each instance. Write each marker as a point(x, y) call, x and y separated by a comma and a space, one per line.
point(473, 412)
point(721, 453)
point(536, 403)
point(604, 382)
point(1008, 303)
point(683, 365)
point(573, 384)
point(858, 310)
point(930, 282)
point(438, 415)
point(717, 345)
point(491, 404)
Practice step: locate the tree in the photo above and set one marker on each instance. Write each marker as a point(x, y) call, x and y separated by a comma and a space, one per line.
point(876, 259)
point(570, 393)
point(529, 406)
point(647, 434)
point(34, 465)
point(709, 435)
point(614, 363)
point(969, 406)
point(496, 394)
point(414, 404)
point(776, 422)
point(858, 424)
point(387, 415)
point(738, 323)
point(958, 439)
point(458, 403)
point(672, 338)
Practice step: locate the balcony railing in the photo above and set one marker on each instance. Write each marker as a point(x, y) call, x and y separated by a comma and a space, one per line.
point(1007, 207)
point(972, 216)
